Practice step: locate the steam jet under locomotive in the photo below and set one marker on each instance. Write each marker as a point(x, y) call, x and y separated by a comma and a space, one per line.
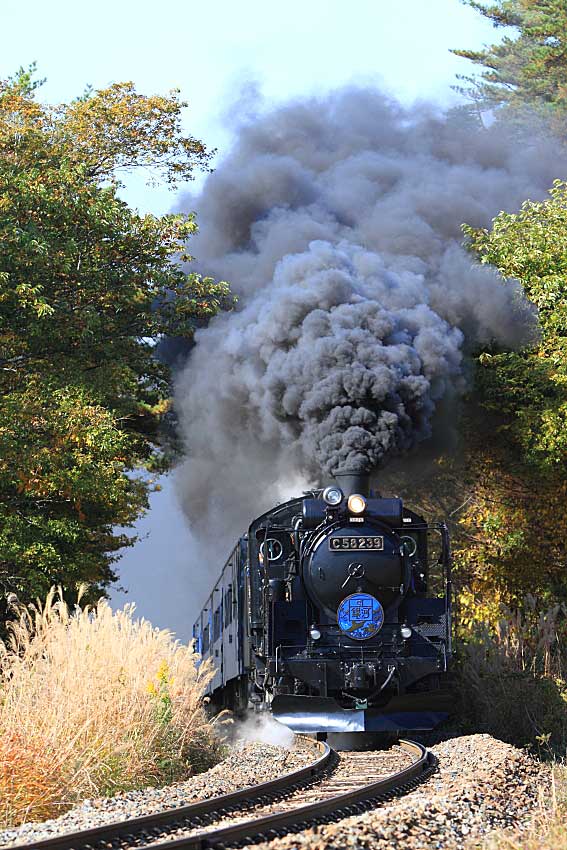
point(334, 613)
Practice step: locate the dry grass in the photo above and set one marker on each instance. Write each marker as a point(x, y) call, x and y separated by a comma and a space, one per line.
point(512, 680)
point(513, 685)
point(91, 702)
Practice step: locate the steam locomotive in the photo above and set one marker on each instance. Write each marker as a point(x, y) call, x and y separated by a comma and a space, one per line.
point(334, 613)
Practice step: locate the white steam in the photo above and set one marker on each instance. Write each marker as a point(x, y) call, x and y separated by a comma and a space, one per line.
point(264, 729)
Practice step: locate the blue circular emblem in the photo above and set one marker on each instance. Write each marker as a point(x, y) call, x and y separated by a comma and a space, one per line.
point(360, 616)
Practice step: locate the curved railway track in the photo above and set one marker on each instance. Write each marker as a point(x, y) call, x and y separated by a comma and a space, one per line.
point(332, 787)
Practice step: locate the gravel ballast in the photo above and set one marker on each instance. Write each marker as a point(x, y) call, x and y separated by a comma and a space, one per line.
point(247, 764)
point(482, 784)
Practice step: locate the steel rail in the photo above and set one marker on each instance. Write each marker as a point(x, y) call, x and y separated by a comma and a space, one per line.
point(343, 805)
point(192, 812)
point(262, 828)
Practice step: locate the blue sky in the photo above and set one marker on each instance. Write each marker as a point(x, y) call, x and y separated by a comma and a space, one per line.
point(211, 50)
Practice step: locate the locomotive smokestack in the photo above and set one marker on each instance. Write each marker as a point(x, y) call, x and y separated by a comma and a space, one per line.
point(353, 481)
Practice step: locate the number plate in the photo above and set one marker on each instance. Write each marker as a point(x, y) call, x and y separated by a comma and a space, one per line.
point(341, 544)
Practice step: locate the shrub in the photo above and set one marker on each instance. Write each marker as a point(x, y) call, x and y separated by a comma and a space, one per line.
point(93, 702)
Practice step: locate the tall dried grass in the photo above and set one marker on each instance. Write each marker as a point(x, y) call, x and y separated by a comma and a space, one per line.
point(512, 682)
point(512, 679)
point(91, 702)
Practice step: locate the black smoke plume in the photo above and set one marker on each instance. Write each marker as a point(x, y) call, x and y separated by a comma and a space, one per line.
point(337, 221)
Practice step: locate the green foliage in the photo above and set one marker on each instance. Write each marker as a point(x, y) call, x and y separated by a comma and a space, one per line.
point(86, 288)
point(511, 521)
point(527, 70)
point(509, 493)
point(529, 388)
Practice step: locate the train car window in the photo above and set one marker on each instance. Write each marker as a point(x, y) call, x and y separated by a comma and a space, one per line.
point(206, 641)
point(197, 639)
point(228, 606)
point(217, 624)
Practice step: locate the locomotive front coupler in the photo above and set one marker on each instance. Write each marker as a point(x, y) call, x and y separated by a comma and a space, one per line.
point(360, 676)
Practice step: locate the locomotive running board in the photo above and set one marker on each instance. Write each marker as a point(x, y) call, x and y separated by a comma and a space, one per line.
point(323, 714)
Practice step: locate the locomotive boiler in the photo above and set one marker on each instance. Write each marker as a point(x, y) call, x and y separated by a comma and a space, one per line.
point(334, 613)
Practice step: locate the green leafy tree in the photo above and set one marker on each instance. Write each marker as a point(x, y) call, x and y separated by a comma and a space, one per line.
point(511, 521)
point(529, 388)
point(528, 68)
point(511, 496)
point(87, 286)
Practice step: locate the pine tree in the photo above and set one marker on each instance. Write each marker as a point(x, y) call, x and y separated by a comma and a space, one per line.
point(527, 70)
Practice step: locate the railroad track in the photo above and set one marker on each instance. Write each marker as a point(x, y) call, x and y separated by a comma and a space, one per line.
point(332, 787)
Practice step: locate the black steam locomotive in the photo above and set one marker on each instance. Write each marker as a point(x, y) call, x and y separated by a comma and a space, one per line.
point(334, 613)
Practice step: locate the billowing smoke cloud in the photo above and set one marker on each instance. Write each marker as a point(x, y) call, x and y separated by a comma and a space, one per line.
point(337, 222)
point(339, 358)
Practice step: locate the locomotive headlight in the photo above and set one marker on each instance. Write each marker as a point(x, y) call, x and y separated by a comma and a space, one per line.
point(315, 633)
point(333, 495)
point(406, 632)
point(356, 504)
